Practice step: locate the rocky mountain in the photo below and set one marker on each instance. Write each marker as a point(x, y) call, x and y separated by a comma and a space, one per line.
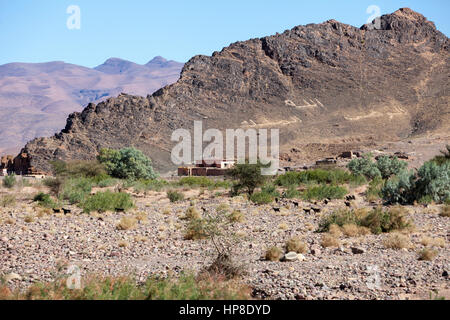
point(36, 98)
point(319, 83)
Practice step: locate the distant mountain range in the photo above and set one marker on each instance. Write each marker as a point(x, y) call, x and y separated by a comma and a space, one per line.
point(36, 98)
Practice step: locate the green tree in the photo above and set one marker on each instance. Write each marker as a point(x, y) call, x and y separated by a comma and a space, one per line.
point(433, 181)
point(248, 177)
point(364, 166)
point(390, 166)
point(127, 163)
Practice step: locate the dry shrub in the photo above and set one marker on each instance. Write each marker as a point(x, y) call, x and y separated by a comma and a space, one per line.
point(397, 241)
point(432, 242)
point(236, 216)
point(273, 254)
point(141, 216)
point(196, 230)
point(335, 230)
point(9, 220)
point(126, 223)
point(295, 244)
point(352, 230)
point(123, 244)
point(329, 240)
point(29, 219)
point(283, 226)
point(445, 211)
point(224, 267)
point(427, 254)
point(191, 214)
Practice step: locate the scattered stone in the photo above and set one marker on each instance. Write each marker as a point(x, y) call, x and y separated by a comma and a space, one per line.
point(291, 256)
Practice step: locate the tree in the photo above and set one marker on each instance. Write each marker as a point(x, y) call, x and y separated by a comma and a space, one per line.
point(127, 163)
point(249, 177)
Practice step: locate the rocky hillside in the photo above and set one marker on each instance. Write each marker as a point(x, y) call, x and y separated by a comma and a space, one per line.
point(327, 82)
point(37, 97)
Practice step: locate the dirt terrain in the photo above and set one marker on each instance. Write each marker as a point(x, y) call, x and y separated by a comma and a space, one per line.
point(38, 245)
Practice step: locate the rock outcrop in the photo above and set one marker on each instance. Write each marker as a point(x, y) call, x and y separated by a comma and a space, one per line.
point(315, 83)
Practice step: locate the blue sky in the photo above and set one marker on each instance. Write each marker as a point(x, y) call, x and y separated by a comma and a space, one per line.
point(137, 30)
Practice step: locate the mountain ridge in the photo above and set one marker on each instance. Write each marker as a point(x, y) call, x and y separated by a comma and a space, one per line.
point(38, 97)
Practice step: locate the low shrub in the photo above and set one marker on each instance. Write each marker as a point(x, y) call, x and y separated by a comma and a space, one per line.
point(427, 254)
point(331, 176)
point(108, 201)
point(445, 212)
point(9, 181)
point(236, 216)
point(185, 287)
point(376, 220)
point(295, 244)
point(273, 254)
point(329, 240)
point(8, 200)
point(397, 241)
point(323, 192)
point(261, 198)
point(175, 196)
point(76, 190)
point(292, 193)
point(204, 182)
point(196, 229)
point(45, 200)
point(374, 189)
point(126, 223)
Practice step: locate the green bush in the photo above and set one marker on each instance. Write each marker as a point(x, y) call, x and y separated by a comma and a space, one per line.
point(203, 182)
point(7, 200)
point(45, 200)
point(331, 176)
point(107, 182)
point(374, 189)
point(127, 163)
point(384, 167)
point(432, 183)
point(175, 196)
point(147, 184)
point(248, 176)
point(107, 201)
point(75, 190)
point(9, 181)
point(292, 193)
point(400, 188)
point(262, 198)
point(270, 189)
point(376, 220)
point(364, 166)
point(184, 287)
point(390, 166)
point(433, 180)
point(323, 192)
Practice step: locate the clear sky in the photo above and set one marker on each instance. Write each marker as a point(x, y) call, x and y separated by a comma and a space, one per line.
point(137, 30)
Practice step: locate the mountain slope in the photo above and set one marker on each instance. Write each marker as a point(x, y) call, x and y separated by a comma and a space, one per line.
point(37, 98)
point(319, 82)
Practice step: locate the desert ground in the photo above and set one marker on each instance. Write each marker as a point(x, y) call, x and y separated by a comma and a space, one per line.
point(38, 244)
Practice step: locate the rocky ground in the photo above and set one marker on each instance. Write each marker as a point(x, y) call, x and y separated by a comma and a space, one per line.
point(38, 246)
